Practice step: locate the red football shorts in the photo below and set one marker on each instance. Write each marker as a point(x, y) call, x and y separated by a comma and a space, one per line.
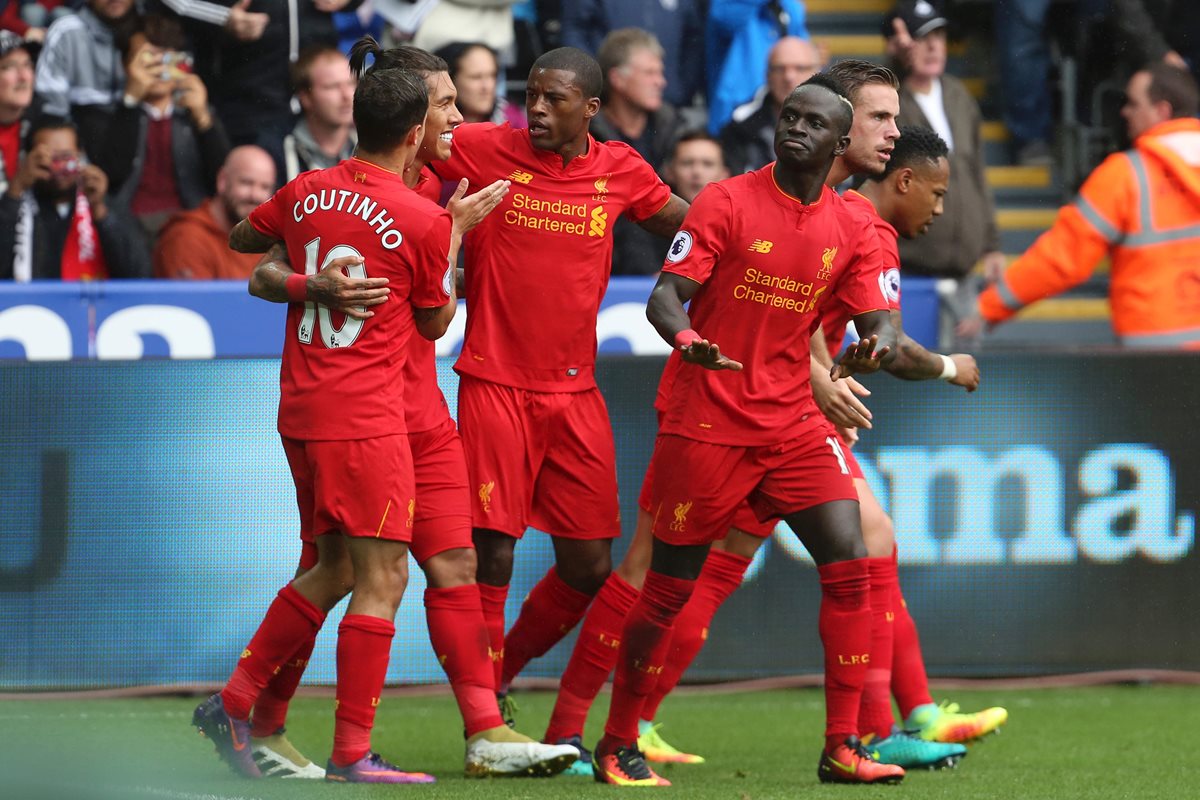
point(359, 487)
point(539, 459)
point(698, 486)
point(443, 517)
point(743, 518)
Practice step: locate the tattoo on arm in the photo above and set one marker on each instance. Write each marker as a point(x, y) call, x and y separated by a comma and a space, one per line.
point(245, 239)
point(667, 221)
point(269, 279)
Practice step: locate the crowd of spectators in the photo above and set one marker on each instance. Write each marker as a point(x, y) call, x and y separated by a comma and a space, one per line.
point(162, 122)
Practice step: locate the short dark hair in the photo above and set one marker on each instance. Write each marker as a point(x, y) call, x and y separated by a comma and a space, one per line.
point(454, 53)
point(413, 59)
point(571, 59)
point(301, 71)
point(696, 135)
point(50, 122)
point(387, 102)
point(832, 84)
point(917, 146)
point(854, 73)
point(1175, 86)
point(161, 30)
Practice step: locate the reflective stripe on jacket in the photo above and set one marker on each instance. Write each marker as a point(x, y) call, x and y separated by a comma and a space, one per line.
point(1141, 207)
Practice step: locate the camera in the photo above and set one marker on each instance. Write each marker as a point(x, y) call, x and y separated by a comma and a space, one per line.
point(65, 167)
point(176, 65)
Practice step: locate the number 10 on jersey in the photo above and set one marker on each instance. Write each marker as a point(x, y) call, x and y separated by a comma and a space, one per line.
point(315, 312)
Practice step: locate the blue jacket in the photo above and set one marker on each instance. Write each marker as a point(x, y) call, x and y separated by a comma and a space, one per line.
point(678, 24)
point(740, 34)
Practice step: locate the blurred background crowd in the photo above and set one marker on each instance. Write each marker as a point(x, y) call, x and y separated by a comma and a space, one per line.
point(135, 134)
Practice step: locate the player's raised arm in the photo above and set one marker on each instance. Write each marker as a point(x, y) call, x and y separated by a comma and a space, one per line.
point(666, 313)
point(874, 349)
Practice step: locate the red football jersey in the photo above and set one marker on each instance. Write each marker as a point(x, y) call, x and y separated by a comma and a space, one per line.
point(424, 404)
point(766, 263)
point(343, 378)
point(538, 266)
point(836, 315)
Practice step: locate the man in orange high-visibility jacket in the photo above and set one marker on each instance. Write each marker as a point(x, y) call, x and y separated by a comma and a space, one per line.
point(1142, 207)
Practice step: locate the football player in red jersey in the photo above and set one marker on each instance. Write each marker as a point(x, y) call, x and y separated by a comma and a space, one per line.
point(441, 538)
point(341, 418)
point(872, 89)
point(535, 428)
point(754, 258)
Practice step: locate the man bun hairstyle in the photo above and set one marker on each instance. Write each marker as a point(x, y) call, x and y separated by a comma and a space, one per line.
point(571, 59)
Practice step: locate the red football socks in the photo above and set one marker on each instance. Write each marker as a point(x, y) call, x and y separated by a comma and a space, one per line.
point(845, 627)
point(492, 600)
point(875, 713)
point(364, 645)
point(644, 645)
point(460, 641)
point(549, 613)
point(721, 576)
point(270, 710)
point(290, 621)
point(910, 684)
point(593, 658)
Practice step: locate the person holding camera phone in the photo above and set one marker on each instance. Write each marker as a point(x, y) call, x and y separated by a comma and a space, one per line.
point(163, 145)
point(55, 221)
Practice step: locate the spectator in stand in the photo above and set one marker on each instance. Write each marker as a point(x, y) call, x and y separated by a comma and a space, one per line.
point(487, 21)
point(696, 162)
point(475, 71)
point(29, 19)
point(678, 24)
point(738, 37)
point(967, 233)
point(1141, 209)
point(1024, 52)
point(55, 222)
point(16, 99)
point(247, 74)
point(633, 112)
point(324, 135)
point(80, 74)
point(163, 145)
point(1158, 30)
point(749, 139)
point(194, 245)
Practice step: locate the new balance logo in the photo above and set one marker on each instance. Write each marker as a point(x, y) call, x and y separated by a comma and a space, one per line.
point(521, 177)
point(760, 246)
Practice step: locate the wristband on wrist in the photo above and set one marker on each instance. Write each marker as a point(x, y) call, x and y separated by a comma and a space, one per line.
point(949, 370)
point(685, 337)
point(297, 288)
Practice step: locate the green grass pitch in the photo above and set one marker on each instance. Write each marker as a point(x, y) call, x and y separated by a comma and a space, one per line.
point(1094, 743)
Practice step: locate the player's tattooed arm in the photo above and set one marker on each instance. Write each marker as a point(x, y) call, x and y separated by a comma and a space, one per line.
point(432, 323)
point(914, 363)
point(874, 350)
point(245, 239)
point(666, 313)
point(668, 219)
point(330, 287)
